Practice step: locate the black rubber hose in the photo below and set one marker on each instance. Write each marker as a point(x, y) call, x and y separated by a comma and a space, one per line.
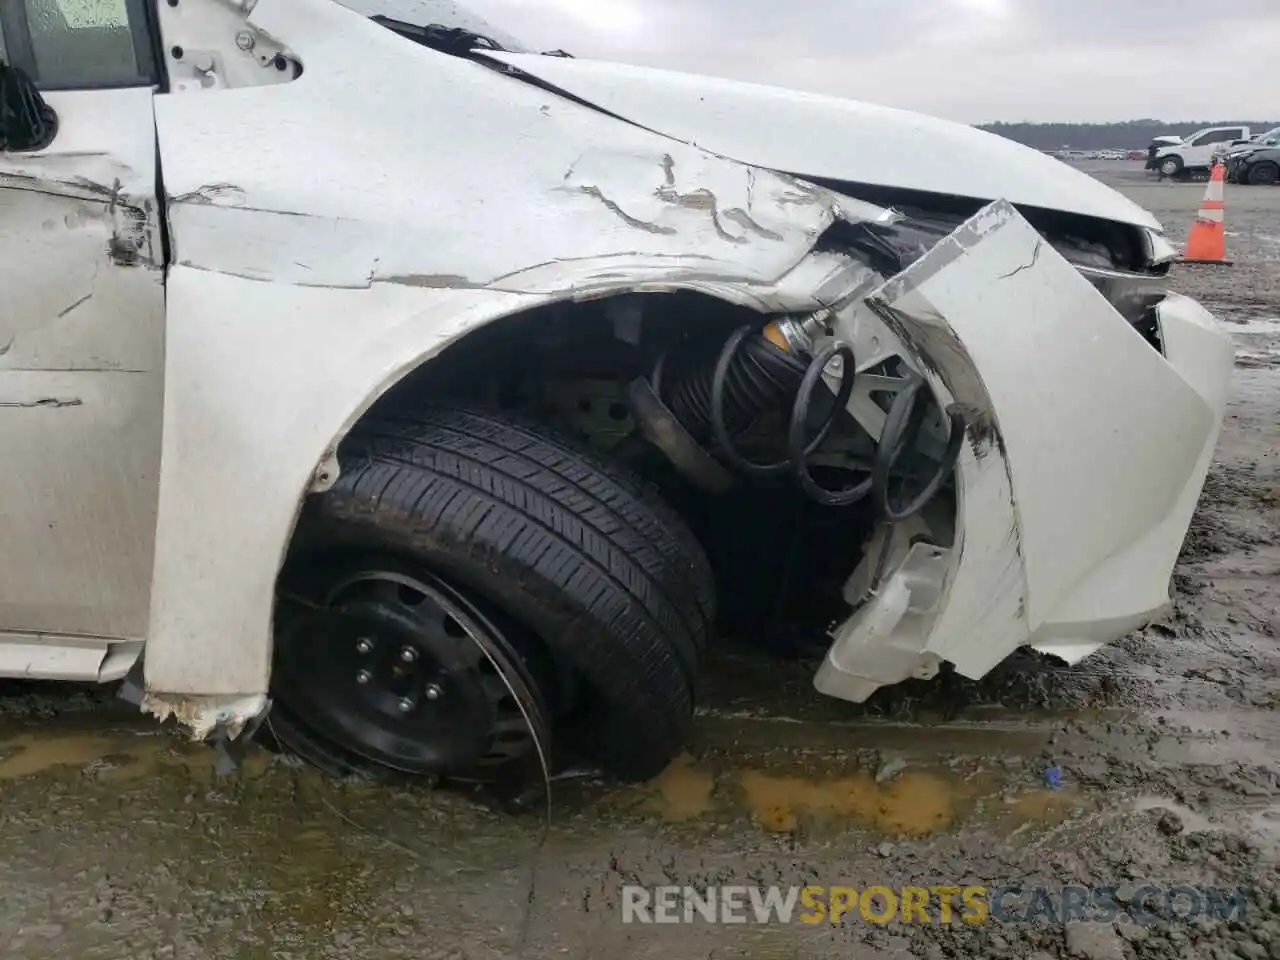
point(798, 452)
point(901, 428)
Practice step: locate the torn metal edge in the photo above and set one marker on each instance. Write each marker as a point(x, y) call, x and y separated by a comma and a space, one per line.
point(228, 724)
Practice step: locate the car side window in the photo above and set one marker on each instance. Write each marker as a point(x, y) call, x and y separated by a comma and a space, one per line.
point(79, 44)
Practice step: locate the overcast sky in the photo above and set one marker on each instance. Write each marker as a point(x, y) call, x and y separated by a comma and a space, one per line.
point(969, 60)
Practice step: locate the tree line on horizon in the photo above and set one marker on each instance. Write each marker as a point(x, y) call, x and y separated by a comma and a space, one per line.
point(1129, 135)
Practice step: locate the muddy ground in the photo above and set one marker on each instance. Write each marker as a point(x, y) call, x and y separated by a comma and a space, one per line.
point(1152, 762)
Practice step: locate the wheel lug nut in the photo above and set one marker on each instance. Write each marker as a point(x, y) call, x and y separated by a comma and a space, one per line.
point(363, 676)
point(364, 645)
point(405, 705)
point(433, 692)
point(408, 654)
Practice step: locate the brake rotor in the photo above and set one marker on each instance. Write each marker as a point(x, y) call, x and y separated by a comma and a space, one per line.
point(404, 671)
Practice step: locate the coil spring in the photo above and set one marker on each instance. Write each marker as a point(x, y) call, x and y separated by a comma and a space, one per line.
point(752, 376)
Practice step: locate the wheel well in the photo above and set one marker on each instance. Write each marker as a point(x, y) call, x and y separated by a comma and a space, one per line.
point(567, 365)
point(617, 336)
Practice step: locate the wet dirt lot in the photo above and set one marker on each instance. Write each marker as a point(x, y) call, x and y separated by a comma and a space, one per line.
point(1153, 762)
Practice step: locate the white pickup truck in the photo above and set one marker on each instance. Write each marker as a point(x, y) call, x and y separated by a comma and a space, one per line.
point(1196, 152)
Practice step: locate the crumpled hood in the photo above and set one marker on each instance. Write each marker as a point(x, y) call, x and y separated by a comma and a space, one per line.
point(827, 137)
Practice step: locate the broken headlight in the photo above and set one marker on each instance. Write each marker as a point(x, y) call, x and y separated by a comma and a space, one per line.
point(1132, 294)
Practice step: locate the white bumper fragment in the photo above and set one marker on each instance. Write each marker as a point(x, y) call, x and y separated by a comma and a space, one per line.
point(202, 716)
point(1086, 453)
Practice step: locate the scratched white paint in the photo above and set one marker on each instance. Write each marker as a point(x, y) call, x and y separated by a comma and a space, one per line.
point(81, 348)
point(488, 177)
point(821, 136)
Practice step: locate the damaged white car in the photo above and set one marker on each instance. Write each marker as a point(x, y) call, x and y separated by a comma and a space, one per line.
point(449, 398)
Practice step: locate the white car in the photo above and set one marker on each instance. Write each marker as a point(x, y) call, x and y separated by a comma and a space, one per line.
point(447, 398)
point(1197, 153)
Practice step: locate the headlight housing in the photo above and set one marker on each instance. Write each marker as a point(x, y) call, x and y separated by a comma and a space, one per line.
point(1132, 294)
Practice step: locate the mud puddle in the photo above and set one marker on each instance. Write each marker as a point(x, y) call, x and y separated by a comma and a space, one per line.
point(786, 778)
point(896, 800)
point(118, 755)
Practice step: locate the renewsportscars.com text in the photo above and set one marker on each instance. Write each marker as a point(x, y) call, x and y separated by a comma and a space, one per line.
point(941, 904)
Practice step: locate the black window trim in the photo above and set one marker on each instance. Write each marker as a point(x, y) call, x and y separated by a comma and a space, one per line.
point(17, 37)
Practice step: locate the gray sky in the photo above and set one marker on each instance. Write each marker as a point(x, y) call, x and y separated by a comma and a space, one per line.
point(969, 60)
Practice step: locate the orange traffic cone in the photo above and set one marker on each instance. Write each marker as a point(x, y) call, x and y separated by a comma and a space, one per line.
point(1207, 242)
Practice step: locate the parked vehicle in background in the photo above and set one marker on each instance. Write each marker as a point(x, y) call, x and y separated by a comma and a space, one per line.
point(1261, 166)
point(1254, 162)
point(1158, 144)
point(1196, 153)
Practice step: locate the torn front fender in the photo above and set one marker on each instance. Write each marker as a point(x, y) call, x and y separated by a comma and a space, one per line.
point(1085, 452)
point(255, 411)
point(333, 233)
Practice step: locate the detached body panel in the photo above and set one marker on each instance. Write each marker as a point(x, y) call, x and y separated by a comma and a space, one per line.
point(1074, 491)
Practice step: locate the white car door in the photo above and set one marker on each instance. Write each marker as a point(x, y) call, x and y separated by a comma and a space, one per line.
point(1198, 151)
point(81, 341)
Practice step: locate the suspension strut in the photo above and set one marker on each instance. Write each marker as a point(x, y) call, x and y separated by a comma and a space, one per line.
point(759, 370)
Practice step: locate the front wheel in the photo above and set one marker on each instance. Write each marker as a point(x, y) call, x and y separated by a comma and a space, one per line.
point(1171, 166)
point(467, 561)
point(1264, 173)
point(382, 667)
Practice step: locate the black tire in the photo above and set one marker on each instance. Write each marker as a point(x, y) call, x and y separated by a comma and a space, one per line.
point(1264, 173)
point(572, 547)
point(1171, 167)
